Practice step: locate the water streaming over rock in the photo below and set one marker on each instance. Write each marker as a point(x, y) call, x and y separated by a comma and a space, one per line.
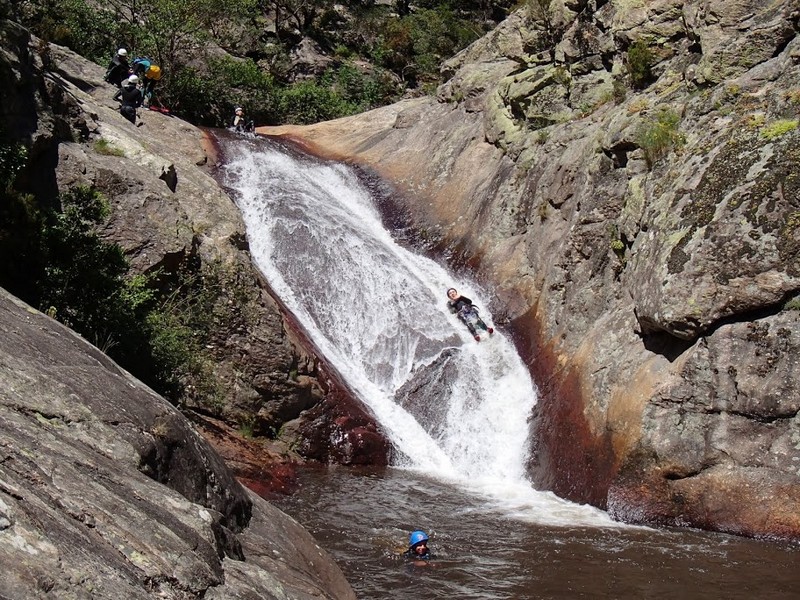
point(378, 312)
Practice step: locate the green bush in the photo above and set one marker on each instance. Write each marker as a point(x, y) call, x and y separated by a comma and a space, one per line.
point(82, 273)
point(13, 157)
point(84, 27)
point(195, 97)
point(20, 227)
point(309, 102)
point(639, 64)
point(658, 135)
point(209, 99)
point(415, 45)
point(247, 85)
point(171, 343)
point(359, 89)
point(194, 305)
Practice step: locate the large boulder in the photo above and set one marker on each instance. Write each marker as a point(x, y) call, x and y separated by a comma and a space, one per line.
point(106, 491)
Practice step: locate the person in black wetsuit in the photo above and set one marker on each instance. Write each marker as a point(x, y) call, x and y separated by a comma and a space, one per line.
point(464, 308)
point(118, 68)
point(241, 123)
point(418, 552)
point(130, 97)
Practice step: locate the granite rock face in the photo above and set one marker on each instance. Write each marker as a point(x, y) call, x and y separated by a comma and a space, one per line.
point(168, 213)
point(106, 491)
point(636, 213)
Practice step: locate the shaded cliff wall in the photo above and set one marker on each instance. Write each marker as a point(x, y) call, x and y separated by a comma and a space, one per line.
point(641, 238)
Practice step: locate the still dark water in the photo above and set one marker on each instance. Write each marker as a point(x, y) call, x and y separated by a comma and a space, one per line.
point(363, 519)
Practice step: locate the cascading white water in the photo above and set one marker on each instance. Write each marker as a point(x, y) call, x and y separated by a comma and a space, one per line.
point(378, 312)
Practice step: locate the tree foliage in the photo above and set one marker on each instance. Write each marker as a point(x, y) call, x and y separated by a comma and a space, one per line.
point(82, 26)
point(415, 45)
point(54, 259)
point(218, 55)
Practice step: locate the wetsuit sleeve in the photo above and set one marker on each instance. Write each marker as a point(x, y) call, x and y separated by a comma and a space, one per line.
point(117, 95)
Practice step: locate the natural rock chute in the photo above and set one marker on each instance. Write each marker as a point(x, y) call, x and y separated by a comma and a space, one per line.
point(642, 244)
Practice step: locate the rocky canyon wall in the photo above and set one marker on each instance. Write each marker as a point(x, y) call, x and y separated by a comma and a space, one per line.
point(639, 228)
point(107, 491)
point(169, 216)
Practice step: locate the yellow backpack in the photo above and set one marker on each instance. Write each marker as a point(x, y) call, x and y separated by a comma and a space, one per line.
point(154, 72)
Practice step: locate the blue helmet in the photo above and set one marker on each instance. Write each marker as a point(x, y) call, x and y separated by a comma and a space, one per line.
point(416, 537)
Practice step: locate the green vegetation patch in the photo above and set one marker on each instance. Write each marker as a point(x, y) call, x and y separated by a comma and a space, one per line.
point(377, 52)
point(792, 304)
point(658, 135)
point(103, 146)
point(159, 325)
point(778, 128)
point(640, 63)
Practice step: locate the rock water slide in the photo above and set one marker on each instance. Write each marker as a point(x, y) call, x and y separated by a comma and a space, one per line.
point(453, 409)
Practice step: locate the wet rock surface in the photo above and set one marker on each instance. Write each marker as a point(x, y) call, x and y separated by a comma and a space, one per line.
point(639, 230)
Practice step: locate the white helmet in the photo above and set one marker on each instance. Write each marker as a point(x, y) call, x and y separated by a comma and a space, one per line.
point(133, 80)
point(122, 52)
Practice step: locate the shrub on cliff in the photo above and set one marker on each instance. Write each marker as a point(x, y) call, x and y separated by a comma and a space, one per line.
point(639, 64)
point(658, 135)
point(310, 102)
point(415, 45)
point(77, 24)
point(54, 259)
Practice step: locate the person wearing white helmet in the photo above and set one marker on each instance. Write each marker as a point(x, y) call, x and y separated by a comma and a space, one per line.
point(149, 74)
point(241, 122)
point(118, 68)
point(130, 98)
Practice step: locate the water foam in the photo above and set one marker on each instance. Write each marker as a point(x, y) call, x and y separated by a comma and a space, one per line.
point(378, 312)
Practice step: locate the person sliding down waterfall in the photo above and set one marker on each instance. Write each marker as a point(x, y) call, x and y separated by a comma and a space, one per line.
point(467, 313)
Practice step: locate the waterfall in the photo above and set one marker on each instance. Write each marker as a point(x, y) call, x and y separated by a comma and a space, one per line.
point(378, 313)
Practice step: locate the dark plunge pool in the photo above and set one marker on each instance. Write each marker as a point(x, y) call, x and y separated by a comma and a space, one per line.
point(489, 552)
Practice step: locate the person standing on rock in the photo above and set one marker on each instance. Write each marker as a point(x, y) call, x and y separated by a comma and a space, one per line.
point(118, 68)
point(130, 97)
point(149, 74)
